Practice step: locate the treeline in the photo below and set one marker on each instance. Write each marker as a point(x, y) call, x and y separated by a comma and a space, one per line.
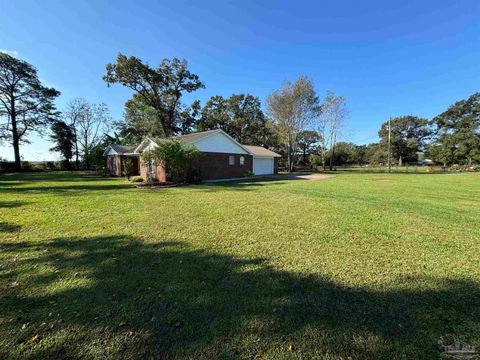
point(298, 123)
point(452, 137)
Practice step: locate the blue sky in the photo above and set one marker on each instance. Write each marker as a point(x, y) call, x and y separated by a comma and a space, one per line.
point(388, 58)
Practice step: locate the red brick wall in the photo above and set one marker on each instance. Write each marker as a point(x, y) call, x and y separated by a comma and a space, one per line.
point(118, 160)
point(214, 166)
point(114, 160)
point(159, 174)
point(275, 165)
point(211, 166)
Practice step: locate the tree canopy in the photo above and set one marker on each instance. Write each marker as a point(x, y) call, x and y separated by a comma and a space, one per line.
point(458, 132)
point(240, 116)
point(159, 89)
point(63, 136)
point(408, 137)
point(293, 107)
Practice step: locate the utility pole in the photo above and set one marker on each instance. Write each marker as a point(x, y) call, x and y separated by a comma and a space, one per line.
point(389, 145)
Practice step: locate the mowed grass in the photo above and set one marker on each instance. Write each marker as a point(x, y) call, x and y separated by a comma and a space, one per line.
point(361, 265)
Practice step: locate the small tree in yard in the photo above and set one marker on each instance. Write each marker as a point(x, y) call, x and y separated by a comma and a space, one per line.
point(176, 157)
point(128, 168)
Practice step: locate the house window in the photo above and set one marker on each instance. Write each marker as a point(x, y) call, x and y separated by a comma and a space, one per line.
point(152, 166)
point(231, 160)
point(242, 160)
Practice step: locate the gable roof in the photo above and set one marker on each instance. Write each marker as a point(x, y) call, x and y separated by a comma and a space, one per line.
point(196, 137)
point(119, 149)
point(261, 151)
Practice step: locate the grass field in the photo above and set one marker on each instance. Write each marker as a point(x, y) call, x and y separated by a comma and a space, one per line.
point(364, 266)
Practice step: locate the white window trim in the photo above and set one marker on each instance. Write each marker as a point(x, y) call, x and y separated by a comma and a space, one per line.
point(242, 160)
point(231, 160)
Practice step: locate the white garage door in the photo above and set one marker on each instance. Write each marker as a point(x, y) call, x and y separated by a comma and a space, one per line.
point(262, 166)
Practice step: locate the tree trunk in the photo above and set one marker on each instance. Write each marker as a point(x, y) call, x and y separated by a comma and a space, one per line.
point(332, 155)
point(77, 165)
point(15, 142)
point(289, 158)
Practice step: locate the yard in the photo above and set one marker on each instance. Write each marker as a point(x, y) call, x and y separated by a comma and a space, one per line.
point(360, 265)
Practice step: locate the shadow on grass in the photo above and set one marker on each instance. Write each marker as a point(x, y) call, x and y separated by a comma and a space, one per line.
point(118, 297)
point(66, 188)
point(11, 204)
point(8, 228)
point(394, 172)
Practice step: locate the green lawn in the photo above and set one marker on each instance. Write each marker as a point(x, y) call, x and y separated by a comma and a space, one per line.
point(360, 265)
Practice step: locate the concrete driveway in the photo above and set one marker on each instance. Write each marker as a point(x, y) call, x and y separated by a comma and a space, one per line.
point(300, 176)
point(297, 176)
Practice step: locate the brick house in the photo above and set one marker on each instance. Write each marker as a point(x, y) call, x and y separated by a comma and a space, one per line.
point(222, 157)
point(116, 156)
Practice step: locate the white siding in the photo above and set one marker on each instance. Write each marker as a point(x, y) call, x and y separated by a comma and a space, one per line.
point(219, 143)
point(111, 152)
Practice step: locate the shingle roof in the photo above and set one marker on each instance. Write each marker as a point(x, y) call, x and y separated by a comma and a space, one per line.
point(195, 136)
point(261, 151)
point(122, 149)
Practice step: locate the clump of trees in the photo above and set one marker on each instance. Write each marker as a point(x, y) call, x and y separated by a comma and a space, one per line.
point(296, 110)
point(305, 128)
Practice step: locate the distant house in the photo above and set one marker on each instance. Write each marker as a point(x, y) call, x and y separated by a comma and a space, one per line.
point(222, 157)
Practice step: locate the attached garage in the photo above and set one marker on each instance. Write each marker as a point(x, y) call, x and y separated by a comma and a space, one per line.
point(263, 166)
point(265, 161)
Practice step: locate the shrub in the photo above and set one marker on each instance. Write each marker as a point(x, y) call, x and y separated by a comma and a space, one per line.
point(26, 166)
point(177, 158)
point(248, 173)
point(152, 180)
point(50, 166)
point(136, 179)
point(127, 167)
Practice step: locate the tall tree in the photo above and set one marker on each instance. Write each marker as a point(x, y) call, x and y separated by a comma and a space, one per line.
point(159, 88)
point(25, 104)
point(408, 136)
point(293, 107)
point(75, 110)
point(332, 117)
point(458, 131)
point(240, 116)
point(92, 125)
point(64, 138)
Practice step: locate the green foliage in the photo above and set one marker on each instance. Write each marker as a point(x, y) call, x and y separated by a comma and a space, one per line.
point(63, 136)
point(248, 173)
point(293, 107)
point(136, 179)
point(306, 140)
point(176, 157)
point(240, 116)
point(127, 167)
point(408, 137)
point(25, 103)
point(159, 90)
point(458, 132)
